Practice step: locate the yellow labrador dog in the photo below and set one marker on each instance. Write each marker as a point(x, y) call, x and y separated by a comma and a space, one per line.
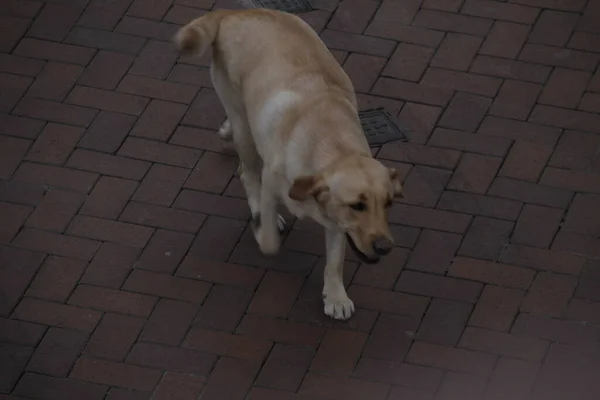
point(292, 115)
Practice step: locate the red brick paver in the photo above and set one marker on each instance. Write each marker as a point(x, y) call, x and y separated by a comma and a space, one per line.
point(127, 270)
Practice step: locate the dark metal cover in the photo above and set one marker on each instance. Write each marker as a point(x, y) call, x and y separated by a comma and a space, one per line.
point(291, 6)
point(380, 127)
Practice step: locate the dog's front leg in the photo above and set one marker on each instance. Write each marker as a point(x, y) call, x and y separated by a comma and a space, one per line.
point(337, 303)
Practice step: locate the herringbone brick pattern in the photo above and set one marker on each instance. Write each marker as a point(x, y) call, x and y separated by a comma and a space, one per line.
point(127, 269)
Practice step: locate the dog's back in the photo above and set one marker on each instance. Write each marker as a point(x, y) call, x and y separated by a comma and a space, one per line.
point(272, 44)
point(280, 68)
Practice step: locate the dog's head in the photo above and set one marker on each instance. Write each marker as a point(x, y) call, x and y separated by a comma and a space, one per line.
point(355, 194)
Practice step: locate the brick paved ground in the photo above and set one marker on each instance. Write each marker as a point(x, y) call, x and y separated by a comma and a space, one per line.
point(128, 271)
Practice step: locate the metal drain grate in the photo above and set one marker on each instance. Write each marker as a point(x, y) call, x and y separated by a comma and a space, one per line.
point(380, 127)
point(291, 6)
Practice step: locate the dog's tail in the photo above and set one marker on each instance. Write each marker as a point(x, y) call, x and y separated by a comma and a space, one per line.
point(198, 35)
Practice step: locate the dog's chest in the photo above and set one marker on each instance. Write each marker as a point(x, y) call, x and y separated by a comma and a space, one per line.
point(305, 210)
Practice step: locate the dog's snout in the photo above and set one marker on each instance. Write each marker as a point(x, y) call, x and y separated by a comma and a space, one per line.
point(382, 246)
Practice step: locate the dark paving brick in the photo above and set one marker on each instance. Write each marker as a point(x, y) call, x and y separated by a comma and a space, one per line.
point(127, 269)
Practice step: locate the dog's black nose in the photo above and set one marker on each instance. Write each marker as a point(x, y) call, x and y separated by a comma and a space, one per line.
point(382, 246)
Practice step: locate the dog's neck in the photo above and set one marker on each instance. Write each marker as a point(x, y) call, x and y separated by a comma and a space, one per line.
point(343, 157)
point(335, 135)
point(328, 157)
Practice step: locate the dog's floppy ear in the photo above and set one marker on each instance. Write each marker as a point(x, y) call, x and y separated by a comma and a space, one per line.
point(396, 185)
point(305, 187)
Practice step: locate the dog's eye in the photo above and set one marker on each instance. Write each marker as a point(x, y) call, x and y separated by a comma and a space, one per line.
point(360, 206)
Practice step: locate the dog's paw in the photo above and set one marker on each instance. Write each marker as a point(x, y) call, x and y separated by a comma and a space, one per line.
point(225, 131)
point(268, 243)
point(338, 306)
point(269, 240)
point(281, 224)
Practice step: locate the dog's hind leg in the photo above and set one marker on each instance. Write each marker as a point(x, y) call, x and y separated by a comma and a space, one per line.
point(250, 170)
point(250, 161)
point(237, 128)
